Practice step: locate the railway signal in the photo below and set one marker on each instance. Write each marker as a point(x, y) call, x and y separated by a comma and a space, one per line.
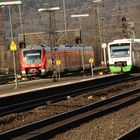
point(124, 27)
point(22, 45)
point(104, 47)
point(91, 60)
point(58, 62)
point(13, 48)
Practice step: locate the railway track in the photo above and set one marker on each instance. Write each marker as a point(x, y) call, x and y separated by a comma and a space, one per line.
point(133, 134)
point(36, 98)
point(56, 124)
point(6, 78)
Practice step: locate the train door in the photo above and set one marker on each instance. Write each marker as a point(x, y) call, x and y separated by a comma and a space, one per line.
point(48, 61)
point(72, 58)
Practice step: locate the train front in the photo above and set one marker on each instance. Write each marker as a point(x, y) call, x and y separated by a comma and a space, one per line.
point(33, 62)
point(119, 56)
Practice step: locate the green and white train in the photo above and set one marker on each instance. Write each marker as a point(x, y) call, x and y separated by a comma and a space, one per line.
point(124, 55)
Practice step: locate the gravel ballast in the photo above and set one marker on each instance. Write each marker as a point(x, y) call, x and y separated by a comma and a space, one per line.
point(107, 127)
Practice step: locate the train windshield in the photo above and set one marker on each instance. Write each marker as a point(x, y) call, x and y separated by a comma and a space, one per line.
point(120, 50)
point(32, 55)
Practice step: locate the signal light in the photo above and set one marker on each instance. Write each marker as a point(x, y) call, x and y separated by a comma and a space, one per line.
point(78, 40)
point(22, 45)
point(123, 19)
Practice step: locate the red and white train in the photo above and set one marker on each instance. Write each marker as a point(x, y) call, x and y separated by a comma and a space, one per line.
point(37, 59)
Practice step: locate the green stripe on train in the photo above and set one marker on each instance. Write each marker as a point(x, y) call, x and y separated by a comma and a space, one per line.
point(120, 69)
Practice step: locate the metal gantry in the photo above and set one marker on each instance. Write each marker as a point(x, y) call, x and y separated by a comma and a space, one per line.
point(52, 35)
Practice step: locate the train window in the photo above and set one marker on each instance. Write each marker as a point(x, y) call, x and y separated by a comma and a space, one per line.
point(120, 45)
point(32, 55)
point(120, 50)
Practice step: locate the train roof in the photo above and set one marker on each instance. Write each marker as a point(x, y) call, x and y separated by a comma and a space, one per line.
point(125, 41)
point(58, 47)
point(34, 46)
point(69, 47)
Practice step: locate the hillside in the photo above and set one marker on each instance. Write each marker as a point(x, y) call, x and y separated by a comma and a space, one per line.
point(110, 12)
point(94, 30)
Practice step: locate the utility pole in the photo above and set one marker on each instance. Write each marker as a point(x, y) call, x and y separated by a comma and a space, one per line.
point(53, 36)
point(97, 32)
point(131, 30)
point(65, 22)
point(52, 33)
point(97, 48)
point(3, 61)
point(13, 45)
point(124, 27)
point(52, 28)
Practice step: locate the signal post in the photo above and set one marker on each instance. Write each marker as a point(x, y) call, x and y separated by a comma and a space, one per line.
point(91, 60)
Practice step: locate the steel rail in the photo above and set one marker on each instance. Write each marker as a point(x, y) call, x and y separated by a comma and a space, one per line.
point(133, 134)
point(29, 102)
point(35, 101)
point(51, 126)
point(6, 78)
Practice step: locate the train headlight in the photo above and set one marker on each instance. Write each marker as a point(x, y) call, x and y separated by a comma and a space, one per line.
point(32, 65)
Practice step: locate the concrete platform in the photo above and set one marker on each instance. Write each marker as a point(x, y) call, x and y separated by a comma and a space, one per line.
point(23, 87)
